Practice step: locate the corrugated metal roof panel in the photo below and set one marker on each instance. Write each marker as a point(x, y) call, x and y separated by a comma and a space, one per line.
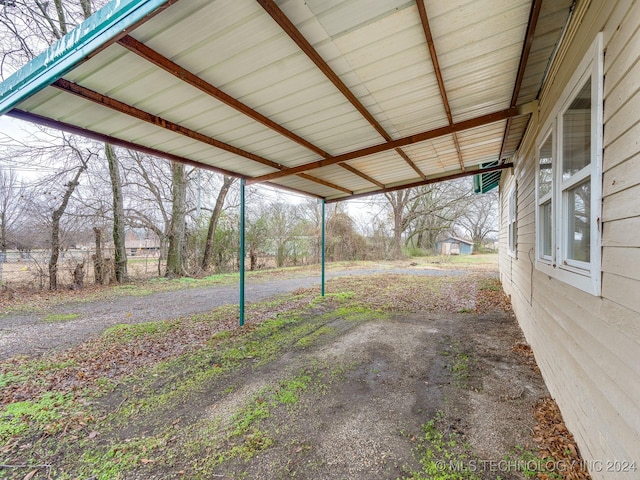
point(479, 46)
point(377, 49)
point(518, 126)
point(340, 176)
point(301, 184)
point(553, 18)
point(390, 59)
point(386, 167)
point(481, 143)
point(435, 156)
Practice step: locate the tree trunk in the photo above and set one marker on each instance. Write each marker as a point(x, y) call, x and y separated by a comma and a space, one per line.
point(55, 229)
point(207, 257)
point(98, 260)
point(3, 238)
point(120, 252)
point(78, 276)
point(177, 225)
point(398, 202)
point(253, 256)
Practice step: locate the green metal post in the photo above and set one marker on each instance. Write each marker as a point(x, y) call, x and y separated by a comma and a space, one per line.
point(242, 252)
point(322, 248)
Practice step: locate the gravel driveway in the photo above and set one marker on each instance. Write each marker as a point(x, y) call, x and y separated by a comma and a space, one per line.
point(28, 334)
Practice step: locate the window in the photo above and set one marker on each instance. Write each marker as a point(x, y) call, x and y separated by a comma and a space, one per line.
point(569, 180)
point(512, 212)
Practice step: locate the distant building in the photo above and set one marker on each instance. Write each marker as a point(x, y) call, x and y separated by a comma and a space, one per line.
point(141, 243)
point(454, 246)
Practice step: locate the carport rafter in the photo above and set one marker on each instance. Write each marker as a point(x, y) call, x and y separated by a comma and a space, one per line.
point(428, 181)
point(290, 29)
point(195, 81)
point(100, 137)
point(121, 107)
point(536, 6)
point(422, 10)
point(390, 145)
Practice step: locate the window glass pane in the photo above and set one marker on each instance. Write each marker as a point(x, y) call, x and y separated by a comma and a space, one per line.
point(546, 164)
point(576, 133)
point(579, 223)
point(546, 228)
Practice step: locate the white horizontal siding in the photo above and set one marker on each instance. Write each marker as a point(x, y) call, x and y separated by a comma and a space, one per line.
point(588, 347)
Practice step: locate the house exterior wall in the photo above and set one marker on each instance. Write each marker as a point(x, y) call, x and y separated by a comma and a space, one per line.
point(588, 346)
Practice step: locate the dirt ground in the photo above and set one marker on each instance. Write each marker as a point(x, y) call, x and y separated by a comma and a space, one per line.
point(389, 376)
point(401, 373)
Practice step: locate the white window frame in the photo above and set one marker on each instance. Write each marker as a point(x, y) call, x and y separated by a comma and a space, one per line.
point(512, 222)
point(583, 275)
point(541, 201)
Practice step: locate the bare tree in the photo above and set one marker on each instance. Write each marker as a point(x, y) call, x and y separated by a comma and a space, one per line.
point(12, 201)
point(282, 220)
point(480, 218)
point(343, 241)
point(120, 252)
point(421, 214)
point(147, 181)
point(70, 186)
point(177, 224)
point(29, 26)
point(207, 257)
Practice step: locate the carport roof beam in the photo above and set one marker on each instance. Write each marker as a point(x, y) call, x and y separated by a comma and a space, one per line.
point(390, 145)
point(192, 79)
point(134, 112)
point(290, 29)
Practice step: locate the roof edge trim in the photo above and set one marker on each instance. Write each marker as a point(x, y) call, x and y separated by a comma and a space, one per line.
point(99, 29)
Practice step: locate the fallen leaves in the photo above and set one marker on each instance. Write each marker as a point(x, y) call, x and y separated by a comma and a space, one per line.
point(555, 441)
point(30, 475)
point(111, 358)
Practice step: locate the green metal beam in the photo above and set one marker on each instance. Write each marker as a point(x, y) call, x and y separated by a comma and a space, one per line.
point(322, 261)
point(242, 250)
point(100, 29)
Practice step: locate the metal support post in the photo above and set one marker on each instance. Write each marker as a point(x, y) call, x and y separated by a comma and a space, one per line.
point(242, 252)
point(322, 261)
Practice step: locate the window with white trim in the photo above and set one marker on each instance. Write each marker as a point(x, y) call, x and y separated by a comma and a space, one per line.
point(569, 180)
point(512, 214)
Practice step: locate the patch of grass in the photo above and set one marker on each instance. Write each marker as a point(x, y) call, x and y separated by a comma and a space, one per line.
point(125, 333)
point(245, 436)
point(460, 368)
point(60, 317)
point(442, 456)
point(459, 364)
point(10, 378)
point(342, 296)
point(19, 417)
point(491, 285)
point(289, 390)
point(33, 370)
point(531, 465)
point(172, 381)
point(107, 463)
point(314, 336)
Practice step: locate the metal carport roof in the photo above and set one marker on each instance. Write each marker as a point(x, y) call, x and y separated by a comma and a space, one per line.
point(333, 98)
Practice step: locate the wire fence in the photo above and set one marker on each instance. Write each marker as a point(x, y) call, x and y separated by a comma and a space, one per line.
point(31, 268)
